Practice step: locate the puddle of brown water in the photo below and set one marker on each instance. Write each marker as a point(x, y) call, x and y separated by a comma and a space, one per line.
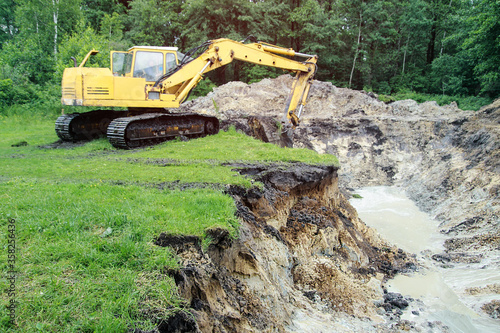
point(397, 219)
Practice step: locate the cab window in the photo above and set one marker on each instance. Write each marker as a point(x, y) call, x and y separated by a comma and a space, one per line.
point(170, 61)
point(148, 65)
point(121, 63)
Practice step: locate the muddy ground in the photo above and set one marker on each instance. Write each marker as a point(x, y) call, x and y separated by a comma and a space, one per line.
point(305, 258)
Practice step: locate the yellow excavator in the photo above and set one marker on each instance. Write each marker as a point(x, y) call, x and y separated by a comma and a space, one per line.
point(149, 80)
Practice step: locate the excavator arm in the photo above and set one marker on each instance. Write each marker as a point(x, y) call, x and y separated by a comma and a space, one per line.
point(221, 52)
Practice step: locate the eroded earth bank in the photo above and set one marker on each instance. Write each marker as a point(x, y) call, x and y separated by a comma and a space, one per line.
point(304, 261)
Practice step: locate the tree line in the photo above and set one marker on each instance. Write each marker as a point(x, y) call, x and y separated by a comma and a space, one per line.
point(449, 47)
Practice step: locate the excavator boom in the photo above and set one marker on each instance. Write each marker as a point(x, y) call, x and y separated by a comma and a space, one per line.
point(221, 52)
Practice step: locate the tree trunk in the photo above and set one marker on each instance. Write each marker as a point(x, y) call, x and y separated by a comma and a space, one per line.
point(444, 35)
point(55, 16)
point(404, 56)
point(36, 23)
point(357, 48)
point(442, 44)
point(294, 41)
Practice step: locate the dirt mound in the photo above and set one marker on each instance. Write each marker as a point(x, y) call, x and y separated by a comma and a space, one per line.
point(236, 100)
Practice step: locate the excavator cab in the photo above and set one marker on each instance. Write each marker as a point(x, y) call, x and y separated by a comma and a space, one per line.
point(125, 83)
point(145, 62)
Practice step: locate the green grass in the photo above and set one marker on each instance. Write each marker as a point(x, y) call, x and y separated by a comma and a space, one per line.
point(71, 270)
point(86, 220)
point(232, 146)
point(464, 103)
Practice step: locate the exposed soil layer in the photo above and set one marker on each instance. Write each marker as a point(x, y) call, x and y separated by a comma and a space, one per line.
point(301, 248)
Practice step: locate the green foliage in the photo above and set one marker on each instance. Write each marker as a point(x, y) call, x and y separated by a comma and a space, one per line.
point(7, 20)
point(255, 73)
point(448, 75)
point(216, 107)
point(112, 27)
point(483, 44)
point(45, 21)
point(23, 61)
point(464, 103)
point(11, 94)
point(22, 98)
point(426, 46)
point(386, 98)
point(211, 19)
point(203, 88)
point(153, 22)
point(271, 21)
point(78, 45)
point(97, 12)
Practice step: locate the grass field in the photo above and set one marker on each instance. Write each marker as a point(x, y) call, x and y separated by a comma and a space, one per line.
point(83, 221)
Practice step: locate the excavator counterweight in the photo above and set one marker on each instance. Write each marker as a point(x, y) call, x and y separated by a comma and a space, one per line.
point(148, 80)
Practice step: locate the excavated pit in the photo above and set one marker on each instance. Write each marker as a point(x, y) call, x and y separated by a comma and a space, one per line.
point(301, 248)
point(446, 159)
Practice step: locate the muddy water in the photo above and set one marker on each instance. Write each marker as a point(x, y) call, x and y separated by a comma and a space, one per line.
point(439, 292)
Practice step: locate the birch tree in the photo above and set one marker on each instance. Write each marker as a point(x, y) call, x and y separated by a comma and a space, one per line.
point(358, 45)
point(7, 20)
point(55, 16)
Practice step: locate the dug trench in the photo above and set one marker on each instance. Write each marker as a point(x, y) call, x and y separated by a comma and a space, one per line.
point(445, 159)
point(302, 257)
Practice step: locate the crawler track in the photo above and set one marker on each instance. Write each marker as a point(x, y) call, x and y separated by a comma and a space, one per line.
point(86, 126)
point(133, 128)
point(153, 128)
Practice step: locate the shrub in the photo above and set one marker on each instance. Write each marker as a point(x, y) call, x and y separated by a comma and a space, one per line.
point(465, 103)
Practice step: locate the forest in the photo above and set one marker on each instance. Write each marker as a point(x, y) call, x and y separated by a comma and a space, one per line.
point(443, 47)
